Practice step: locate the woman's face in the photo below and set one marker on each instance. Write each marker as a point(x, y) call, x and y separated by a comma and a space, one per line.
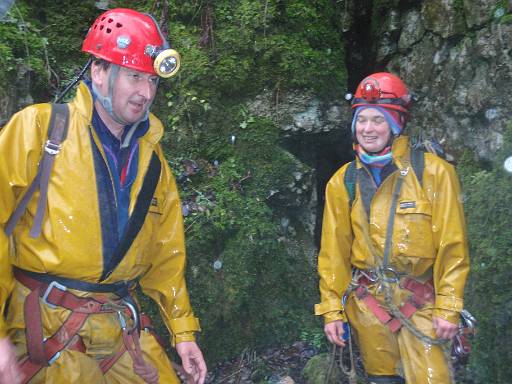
point(372, 130)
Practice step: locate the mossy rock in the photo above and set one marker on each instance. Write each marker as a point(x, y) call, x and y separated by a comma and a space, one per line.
point(317, 369)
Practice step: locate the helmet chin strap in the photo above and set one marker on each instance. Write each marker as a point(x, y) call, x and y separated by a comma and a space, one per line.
point(106, 102)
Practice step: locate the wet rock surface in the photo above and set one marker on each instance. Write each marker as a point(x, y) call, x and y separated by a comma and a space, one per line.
point(455, 57)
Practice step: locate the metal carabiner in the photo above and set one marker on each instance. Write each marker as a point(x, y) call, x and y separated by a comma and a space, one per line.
point(371, 275)
point(134, 314)
point(393, 278)
point(467, 319)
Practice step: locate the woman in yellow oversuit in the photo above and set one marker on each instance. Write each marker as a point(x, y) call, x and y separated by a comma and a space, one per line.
point(376, 245)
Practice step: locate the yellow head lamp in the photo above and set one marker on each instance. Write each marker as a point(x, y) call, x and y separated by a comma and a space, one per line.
point(167, 63)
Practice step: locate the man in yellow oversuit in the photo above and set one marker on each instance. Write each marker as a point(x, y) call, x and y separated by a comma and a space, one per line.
point(111, 220)
point(394, 258)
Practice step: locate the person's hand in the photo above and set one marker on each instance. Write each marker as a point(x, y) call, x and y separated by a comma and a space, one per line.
point(444, 328)
point(9, 370)
point(192, 360)
point(334, 332)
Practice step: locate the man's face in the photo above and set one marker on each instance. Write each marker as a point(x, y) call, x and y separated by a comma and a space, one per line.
point(372, 130)
point(133, 92)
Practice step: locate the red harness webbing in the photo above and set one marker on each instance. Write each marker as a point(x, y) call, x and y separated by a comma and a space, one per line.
point(42, 353)
point(422, 293)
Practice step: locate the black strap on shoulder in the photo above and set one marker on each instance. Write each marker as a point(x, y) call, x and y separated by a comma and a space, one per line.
point(350, 181)
point(57, 132)
point(418, 163)
point(138, 215)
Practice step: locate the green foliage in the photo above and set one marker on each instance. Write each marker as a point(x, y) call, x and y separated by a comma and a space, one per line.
point(21, 48)
point(501, 11)
point(261, 288)
point(265, 289)
point(40, 44)
point(489, 216)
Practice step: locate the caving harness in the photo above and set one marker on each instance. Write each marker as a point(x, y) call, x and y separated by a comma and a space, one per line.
point(385, 275)
point(53, 291)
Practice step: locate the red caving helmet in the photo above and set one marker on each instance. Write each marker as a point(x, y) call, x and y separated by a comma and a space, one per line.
point(131, 39)
point(383, 89)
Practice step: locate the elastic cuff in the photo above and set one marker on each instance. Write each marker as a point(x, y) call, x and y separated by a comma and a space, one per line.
point(450, 303)
point(332, 305)
point(329, 317)
point(181, 337)
point(451, 316)
point(184, 324)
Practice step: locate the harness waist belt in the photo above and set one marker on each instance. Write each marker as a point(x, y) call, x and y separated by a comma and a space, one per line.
point(43, 352)
point(120, 288)
point(422, 293)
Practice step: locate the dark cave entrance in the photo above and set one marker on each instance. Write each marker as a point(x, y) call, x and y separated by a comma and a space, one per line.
point(325, 153)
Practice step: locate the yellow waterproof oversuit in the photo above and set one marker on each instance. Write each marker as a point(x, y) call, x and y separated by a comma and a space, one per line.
point(428, 241)
point(70, 244)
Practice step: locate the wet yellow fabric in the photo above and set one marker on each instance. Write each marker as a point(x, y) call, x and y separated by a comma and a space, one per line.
point(386, 354)
point(429, 236)
point(70, 244)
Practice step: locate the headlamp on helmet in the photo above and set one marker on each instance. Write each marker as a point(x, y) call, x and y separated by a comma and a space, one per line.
point(132, 39)
point(166, 61)
point(385, 90)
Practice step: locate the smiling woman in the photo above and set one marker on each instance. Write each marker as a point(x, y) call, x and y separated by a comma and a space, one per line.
point(373, 132)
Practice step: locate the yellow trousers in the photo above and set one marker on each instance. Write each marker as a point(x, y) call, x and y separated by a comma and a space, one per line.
point(387, 354)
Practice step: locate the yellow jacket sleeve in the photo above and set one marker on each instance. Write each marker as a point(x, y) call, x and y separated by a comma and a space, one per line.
point(334, 258)
point(451, 265)
point(165, 280)
point(20, 151)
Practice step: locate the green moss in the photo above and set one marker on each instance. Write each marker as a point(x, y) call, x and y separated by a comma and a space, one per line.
point(499, 10)
point(488, 193)
point(506, 19)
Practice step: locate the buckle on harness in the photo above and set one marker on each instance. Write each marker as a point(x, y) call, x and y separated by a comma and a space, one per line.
point(54, 357)
point(52, 148)
point(52, 285)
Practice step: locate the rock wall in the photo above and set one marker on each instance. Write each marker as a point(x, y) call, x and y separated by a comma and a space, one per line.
point(456, 56)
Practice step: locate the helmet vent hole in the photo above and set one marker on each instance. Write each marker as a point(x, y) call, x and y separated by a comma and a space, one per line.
point(110, 20)
point(95, 26)
point(103, 18)
point(109, 30)
point(119, 25)
point(101, 27)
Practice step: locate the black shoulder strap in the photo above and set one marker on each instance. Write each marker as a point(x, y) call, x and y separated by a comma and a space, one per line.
point(57, 132)
point(350, 181)
point(138, 215)
point(418, 163)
